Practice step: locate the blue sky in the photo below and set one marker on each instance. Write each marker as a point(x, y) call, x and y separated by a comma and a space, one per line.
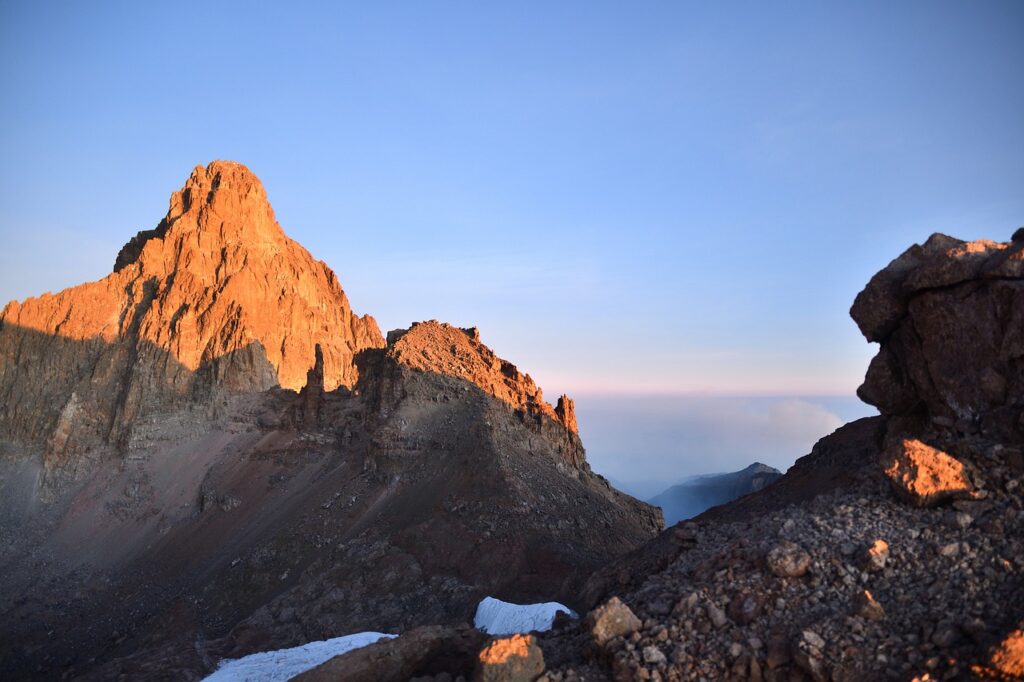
point(626, 197)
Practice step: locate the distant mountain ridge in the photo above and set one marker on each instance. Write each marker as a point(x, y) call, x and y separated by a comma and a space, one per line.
point(699, 493)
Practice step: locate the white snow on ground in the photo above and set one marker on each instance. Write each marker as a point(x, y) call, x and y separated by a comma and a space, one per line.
point(496, 617)
point(284, 664)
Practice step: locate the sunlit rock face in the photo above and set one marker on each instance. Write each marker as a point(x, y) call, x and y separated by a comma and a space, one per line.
point(215, 298)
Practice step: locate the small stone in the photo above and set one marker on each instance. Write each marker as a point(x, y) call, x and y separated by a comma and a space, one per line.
point(961, 520)
point(652, 654)
point(952, 549)
point(717, 616)
point(745, 607)
point(808, 655)
point(813, 639)
point(686, 604)
point(946, 635)
point(865, 606)
point(875, 556)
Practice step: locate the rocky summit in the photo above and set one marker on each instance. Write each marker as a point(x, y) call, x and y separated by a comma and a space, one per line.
point(207, 454)
point(215, 299)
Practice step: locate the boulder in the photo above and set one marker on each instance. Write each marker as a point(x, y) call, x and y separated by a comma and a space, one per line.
point(610, 620)
point(516, 658)
point(948, 317)
point(922, 475)
point(788, 560)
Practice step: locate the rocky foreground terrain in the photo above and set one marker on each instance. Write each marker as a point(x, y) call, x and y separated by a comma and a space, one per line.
point(206, 454)
point(894, 550)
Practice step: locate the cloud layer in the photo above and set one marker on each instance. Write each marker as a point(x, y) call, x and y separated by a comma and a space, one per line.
point(648, 443)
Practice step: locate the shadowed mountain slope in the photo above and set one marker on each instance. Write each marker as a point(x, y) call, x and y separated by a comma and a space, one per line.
point(695, 495)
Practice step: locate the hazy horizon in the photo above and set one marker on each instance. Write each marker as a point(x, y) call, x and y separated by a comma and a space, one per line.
point(645, 444)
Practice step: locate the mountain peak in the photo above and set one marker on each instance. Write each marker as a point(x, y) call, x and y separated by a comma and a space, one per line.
point(215, 297)
point(224, 202)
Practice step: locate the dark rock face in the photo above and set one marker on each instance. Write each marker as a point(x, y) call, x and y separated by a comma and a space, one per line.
point(947, 315)
point(700, 493)
point(207, 454)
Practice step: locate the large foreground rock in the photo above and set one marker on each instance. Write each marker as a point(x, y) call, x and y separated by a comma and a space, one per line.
point(923, 475)
point(947, 315)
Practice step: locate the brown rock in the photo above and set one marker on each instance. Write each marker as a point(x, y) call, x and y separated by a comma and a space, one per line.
point(424, 650)
point(875, 556)
point(1008, 658)
point(566, 413)
point(923, 475)
point(516, 658)
point(940, 312)
point(779, 652)
point(610, 620)
point(788, 560)
point(865, 606)
point(745, 607)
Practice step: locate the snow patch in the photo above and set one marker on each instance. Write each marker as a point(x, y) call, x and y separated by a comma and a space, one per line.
point(284, 664)
point(496, 617)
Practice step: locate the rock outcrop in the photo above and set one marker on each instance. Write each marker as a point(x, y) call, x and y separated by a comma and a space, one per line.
point(947, 316)
point(444, 349)
point(441, 350)
point(215, 299)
